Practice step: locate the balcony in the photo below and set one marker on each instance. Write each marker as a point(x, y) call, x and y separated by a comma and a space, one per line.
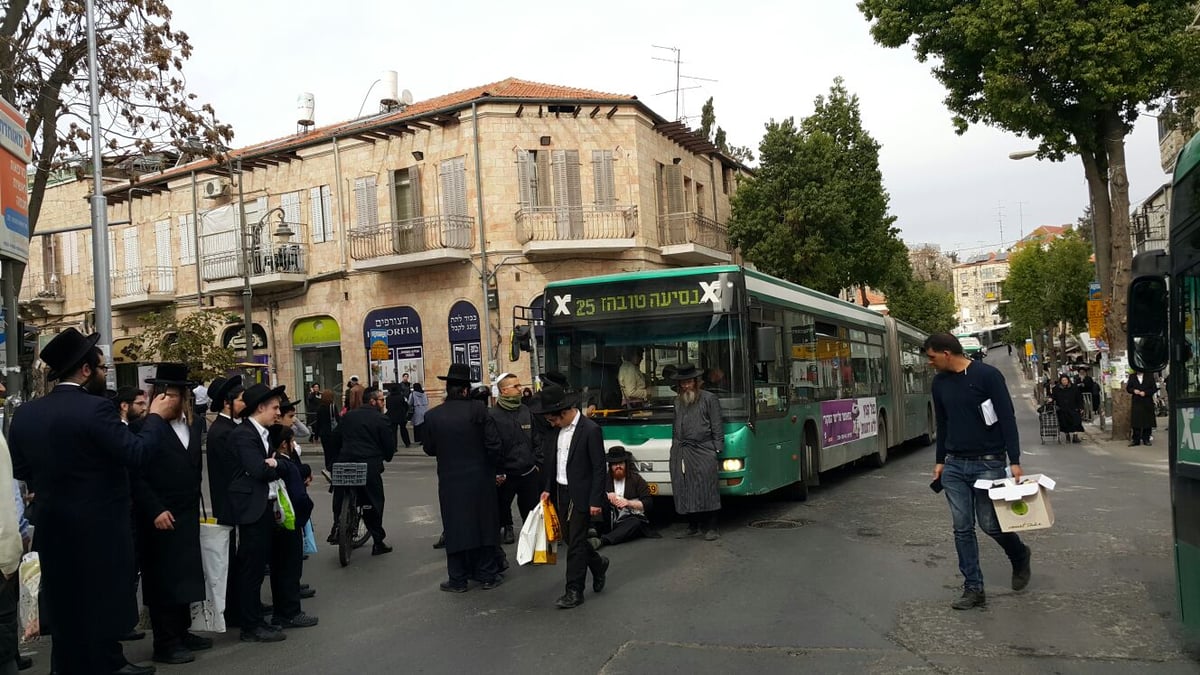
point(417, 242)
point(143, 287)
point(546, 231)
point(41, 295)
point(693, 239)
point(272, 267)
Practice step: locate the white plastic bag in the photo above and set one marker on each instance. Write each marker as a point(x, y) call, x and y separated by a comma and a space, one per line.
point(208, 616)
point(30, 574)
point(533, 528)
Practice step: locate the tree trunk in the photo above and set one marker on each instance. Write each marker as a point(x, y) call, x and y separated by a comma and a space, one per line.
point(1121, 261)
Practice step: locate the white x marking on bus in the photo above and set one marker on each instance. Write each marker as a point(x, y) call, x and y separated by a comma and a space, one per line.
point(711, 292)
point(561, 302)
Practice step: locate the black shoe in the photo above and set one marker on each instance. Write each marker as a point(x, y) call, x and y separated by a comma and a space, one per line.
point(691, 532)
point(451, 588)
point(24, 662)
point(970, 600)
point(1022, 571)
point(1147, 443)
point(332, 538)
point(380, 548)
point(301, 620)
point(508, 537)
point(306, 593)
point(261, 634)
point(267, 609)
point(599, 578)
point(133, 669)
point(441, 542)
point(1134, 443)
point(712, 535)
point(133, 635)
point(496, 581)
point(570, 600)
point(196, 643)
point(176, 656)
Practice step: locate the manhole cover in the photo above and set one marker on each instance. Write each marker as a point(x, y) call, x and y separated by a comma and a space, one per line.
point(778, 524)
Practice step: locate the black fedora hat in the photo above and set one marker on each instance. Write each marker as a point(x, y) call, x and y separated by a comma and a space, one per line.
point(171, 374)
point(459, 372)
point(220, 389)
point(554, 377)
point(256, 394)
point(686, 371)
point(552, 399)
point(617, 454)
point(66, 351)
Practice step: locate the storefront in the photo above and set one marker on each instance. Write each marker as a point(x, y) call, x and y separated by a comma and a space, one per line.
point(463, 329)
point(394, 341)
point(317, 343)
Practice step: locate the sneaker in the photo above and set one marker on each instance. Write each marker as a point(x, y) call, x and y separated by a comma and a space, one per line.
point(1022, 571)
point(970, 600)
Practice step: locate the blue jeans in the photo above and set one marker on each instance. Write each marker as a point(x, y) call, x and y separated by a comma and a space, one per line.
point(968, 506)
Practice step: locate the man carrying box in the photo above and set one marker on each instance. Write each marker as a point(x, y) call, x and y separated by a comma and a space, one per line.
point(976, 429)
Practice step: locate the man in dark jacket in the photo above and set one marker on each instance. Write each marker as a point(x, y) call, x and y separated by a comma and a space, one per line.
point(368, 436)
point(75, 453)
point(574, 478)
point(626, 516)
point(521, 452)
point(397, 412)
point(166, 500)
point(223, 464)
point(463, 437)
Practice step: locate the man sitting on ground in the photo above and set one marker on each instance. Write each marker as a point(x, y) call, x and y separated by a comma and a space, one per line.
point(629, 502)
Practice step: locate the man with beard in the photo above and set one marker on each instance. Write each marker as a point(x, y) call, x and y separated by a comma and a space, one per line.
point(131, 406)
point(166, 499)
point(463, 437)
point(697, 439)
point(75, 453)
point(368, 436)
point(629, 501)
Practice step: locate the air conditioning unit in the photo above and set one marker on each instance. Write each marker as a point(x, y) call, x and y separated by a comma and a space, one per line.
point(217, 187)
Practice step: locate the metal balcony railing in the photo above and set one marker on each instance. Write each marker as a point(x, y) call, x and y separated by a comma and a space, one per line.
point(287, 258)
point(415, 235)
point(692, 228)
point(40, 287)
point(565, 223)
point(154, 280)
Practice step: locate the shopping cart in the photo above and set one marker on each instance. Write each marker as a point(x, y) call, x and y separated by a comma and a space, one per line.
point(1048, 422)
point(1088, 407)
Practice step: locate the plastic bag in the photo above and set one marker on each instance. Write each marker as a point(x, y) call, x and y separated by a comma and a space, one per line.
point(285, 515)
point(30, 574)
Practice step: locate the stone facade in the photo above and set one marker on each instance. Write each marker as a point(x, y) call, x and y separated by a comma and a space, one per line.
point(977, 290)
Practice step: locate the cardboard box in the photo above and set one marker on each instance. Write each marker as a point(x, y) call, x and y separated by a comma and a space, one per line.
point(1021, 506)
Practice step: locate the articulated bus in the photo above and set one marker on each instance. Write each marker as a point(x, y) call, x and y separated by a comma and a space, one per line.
point(1164, 331)
point(806, 382)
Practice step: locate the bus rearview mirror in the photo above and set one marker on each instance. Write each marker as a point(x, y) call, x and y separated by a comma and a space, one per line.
point(1148, 344)
point(764, 344)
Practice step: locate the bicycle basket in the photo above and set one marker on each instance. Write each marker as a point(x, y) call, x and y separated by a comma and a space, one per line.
point(349, 474)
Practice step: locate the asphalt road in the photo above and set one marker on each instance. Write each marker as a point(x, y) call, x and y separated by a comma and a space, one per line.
point(857, 580)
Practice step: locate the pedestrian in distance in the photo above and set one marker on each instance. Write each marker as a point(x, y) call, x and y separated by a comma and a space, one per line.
point(976, 439)
point(73, 451)
point(397, 411)
point(368, 436)
point(1068, 401)
point(419, 402)
point(573, 472)
point(697, 440)
point(312, 403)
point(1142, 387)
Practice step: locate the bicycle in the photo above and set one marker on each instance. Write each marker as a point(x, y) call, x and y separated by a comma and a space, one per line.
point(352, 531)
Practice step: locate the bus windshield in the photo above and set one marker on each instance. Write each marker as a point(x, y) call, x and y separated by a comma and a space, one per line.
point(594, 355)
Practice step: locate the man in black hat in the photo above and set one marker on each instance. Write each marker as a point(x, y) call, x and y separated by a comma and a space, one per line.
point(368, 436)
point(166, 499)
point(697, 439)
point(223, 464)
point(250, 497)
point(629, 500)
point(574, 476)
point(463, 437)
point(75, 453)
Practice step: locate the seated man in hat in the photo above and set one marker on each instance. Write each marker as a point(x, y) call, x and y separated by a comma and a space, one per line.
point(629, 501)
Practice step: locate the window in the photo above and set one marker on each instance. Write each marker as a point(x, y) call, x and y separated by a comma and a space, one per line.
point(406, 194)
point(604, 179)
point(132, 255)
point(366, 203)
point(318, 214)
point(671, 197)
point(70, 252)
point(568, 193)
point(700, 198)
point(533, 177)
point(187, 239)
point(452, 174)
point(162, 244)
point(290, 203)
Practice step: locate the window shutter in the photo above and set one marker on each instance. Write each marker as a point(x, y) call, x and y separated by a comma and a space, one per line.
point(541, 178)
point(366, 203)
point(70, 254)
point(603, 178)
point(187, 239)
point(414, 180)
point(162, 243)
point(453, 174)
point(290, 202)
point(50, 264)
point(673, 187)
point(132, 254)
point(318, 214)
point(526, 179)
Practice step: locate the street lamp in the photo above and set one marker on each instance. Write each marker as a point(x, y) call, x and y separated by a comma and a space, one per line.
point(251, 247)
point(1022, 154)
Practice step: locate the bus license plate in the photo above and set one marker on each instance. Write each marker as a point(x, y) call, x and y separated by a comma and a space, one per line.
point(653, 488)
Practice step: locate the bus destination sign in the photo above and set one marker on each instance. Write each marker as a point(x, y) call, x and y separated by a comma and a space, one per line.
point(672, 295)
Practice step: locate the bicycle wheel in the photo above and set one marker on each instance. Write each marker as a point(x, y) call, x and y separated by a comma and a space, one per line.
point(345, 539)
point(361, 534)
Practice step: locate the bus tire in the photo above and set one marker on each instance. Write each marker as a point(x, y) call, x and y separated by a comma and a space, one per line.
point(798, 491)
point(880, 457)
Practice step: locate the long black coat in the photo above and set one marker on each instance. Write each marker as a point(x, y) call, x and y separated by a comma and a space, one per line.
point(172, 571)
point(223, 465)
point(586, 466)
point(76, 454)
point(1069, 402)
point(463, 437)
point(248, 489)
point(368, 436)
point(1141, 409)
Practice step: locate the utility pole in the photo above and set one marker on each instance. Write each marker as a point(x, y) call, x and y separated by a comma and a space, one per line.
point(100, 261)
point(1021, 219)
point(1000, 221)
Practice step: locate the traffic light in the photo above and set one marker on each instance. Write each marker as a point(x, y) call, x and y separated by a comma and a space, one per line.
point(28, 342)
point(522, 341)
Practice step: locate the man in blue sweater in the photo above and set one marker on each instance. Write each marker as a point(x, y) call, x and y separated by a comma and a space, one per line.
point(976, 438)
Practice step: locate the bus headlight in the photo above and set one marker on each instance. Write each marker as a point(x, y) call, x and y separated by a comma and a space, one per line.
point(732, 465)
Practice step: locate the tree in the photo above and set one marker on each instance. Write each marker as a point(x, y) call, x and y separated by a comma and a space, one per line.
point(815, 212)
point(1074, 76)
point(190, 339)
point(924, 304)
point(144, 100)
point(716, 135)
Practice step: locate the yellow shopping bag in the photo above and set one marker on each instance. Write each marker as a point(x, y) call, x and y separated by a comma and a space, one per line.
point(553, 527)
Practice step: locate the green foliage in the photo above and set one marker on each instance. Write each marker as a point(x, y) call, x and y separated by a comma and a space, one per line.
point(816, 212)
point(715, 134)
point(190, 339)
point(1046, 286)
point(924, 304)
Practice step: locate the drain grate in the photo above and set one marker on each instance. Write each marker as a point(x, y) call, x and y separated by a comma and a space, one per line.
point(778, 524)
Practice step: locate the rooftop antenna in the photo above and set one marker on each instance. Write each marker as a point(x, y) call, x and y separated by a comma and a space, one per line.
point(1021, 219)
point(1000, 220)
point(679, 77)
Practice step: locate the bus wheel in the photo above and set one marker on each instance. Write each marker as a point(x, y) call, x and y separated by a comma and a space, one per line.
point(878, 459)
point(798, 491)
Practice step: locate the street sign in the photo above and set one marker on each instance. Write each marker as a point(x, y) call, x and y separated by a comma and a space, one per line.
point(16, 151)
point(1095, 318)
point(1094, 291)
point(379, 344)
point(1028, 347)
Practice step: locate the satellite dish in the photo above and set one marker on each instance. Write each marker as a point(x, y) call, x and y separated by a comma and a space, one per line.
point(406, 97)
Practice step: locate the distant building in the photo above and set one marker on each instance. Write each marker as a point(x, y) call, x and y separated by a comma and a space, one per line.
point(1042, 236)
point(1148, 224)
point(977, 290)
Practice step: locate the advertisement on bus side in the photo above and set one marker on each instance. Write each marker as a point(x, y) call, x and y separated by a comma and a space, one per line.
point(848, 419)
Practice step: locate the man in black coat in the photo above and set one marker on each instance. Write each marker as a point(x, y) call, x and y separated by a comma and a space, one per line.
point(250, 507)
point(574, 476)
point(226, 395)
point(75, 453)
point(521, 450)
point(368, 436)
point(166, 500)
point(463, 437)
point(397, 412)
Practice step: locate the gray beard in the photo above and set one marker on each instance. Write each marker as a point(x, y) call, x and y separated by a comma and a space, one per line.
point(688, 398)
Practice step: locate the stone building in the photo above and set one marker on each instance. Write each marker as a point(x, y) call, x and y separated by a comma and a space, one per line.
point(977, 290)
point(421, 227)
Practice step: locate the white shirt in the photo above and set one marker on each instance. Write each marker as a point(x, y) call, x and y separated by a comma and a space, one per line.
point(262, 431)
point(230, 418)
point(564, 448)
point(201, 395)
point(180, 427)
point(619, 487)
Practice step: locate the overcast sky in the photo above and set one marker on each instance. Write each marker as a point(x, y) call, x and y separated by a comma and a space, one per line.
point(770, 59)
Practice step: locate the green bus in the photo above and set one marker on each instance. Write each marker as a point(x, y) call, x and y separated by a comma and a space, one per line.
point(1164, 332)
point(806, 382)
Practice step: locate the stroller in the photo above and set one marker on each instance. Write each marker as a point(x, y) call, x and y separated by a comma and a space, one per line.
point(1048, 422)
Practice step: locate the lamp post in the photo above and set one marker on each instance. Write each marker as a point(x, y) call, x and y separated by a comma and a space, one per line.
point(251, 247)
